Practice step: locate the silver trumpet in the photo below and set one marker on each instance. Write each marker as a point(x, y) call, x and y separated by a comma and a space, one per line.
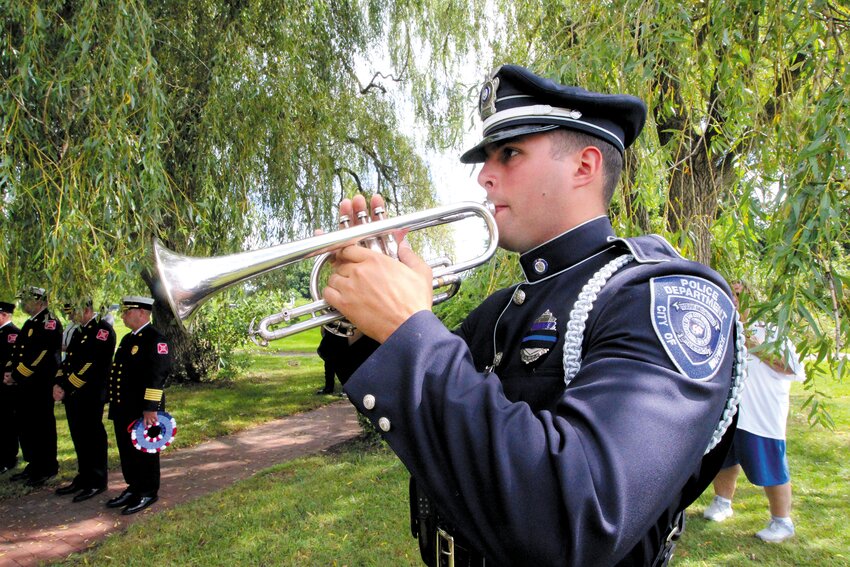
point(187, 282)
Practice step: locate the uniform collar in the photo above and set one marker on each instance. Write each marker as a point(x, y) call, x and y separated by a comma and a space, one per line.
point(567, 249)
point(140, 329)
point(37, 315)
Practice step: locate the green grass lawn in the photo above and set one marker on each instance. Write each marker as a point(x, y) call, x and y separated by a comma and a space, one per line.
point(349, 506)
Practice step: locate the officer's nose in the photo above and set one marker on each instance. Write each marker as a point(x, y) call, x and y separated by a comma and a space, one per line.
point(487, 177)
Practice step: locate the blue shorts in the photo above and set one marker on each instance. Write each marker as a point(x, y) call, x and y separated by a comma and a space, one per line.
point(763, 459)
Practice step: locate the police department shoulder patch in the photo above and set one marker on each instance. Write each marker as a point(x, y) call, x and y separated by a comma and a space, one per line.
point(692, 318)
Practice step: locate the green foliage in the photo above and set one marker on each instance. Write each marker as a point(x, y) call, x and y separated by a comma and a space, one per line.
point(743, 161)
point(194, 122)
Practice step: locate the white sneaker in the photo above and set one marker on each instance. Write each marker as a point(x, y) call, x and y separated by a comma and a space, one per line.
point(717, 511)
point(776, 531)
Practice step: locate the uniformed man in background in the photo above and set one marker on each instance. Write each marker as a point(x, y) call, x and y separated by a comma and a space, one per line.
point(8, 393)
point(136, 382)
point(81, 385)
point(566, 421)
point(33, 366)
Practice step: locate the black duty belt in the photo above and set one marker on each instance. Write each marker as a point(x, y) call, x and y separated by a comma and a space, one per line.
point(437, 544)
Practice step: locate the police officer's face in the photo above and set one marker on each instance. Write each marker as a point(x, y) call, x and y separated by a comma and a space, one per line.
point(531, 190)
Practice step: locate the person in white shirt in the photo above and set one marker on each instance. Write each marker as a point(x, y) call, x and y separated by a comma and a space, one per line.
point(759, 443)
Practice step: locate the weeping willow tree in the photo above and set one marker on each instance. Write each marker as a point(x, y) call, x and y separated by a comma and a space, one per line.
point(213, 125)
point(744, 160)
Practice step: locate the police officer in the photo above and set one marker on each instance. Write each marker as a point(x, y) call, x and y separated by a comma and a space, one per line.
point(33, 366)
point(566, 421)
point(8, 393)
point(136, 381)
point(81, 385)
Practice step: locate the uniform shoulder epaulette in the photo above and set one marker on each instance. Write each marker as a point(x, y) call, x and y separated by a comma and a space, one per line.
point(648, 249)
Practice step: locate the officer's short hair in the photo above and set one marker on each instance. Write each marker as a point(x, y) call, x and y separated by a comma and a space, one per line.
point(565, 142)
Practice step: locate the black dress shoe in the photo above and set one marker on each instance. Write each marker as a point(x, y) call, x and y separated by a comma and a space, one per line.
point(38, 480)
point(143, 503)
point(88, 493)
point(7, 468)
point(23, 475)
point(67, 489)
point(124, 499)
point(324, 392)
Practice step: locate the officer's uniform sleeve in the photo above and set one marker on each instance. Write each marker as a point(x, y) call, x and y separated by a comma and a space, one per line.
point(159, 367)
point(576, 486)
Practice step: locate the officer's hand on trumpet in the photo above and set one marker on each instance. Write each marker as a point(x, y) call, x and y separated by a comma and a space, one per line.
point(374, 291)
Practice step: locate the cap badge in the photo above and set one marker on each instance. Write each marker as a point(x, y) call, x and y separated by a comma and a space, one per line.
point(540, 338)
point(487, 102)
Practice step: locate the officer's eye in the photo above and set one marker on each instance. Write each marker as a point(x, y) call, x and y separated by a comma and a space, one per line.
point(506, 153)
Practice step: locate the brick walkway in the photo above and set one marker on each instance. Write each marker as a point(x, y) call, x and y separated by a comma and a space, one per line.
point(43, 527)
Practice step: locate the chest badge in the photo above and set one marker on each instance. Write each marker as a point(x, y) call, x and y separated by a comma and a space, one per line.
point(135, 349)
point(692, 318)
point(540, 338)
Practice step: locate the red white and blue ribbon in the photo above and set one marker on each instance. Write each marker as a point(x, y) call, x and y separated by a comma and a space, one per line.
point(156, 438)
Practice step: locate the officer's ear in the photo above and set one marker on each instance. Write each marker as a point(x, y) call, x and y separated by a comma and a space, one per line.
point(587, 167)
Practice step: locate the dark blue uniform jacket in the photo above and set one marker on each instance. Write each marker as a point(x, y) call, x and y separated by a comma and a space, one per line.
point(531, 472)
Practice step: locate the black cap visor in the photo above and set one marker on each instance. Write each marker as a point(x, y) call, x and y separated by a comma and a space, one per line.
point(478, 155)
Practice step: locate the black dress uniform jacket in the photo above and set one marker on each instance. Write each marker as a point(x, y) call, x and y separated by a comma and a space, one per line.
point(136, 382)
point(87, 362)
point(83, 377)
point(139, 371)
point(8, 398)
point(34, 363)
point(530, 470)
